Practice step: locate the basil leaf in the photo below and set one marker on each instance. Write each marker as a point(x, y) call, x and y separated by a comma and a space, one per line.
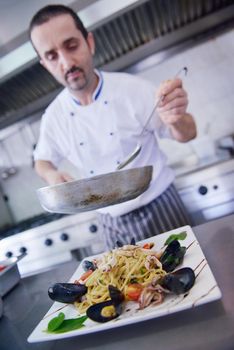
point(179, 236)
point(55, 322)
point(71, 324)
point(60, 325)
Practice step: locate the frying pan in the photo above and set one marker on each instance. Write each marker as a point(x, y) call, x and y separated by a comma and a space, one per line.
point(95, 192)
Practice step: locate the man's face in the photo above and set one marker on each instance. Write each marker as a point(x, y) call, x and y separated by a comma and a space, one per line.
point(64, 52)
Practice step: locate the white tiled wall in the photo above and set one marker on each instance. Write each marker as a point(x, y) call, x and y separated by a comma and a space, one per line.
point(210, 85)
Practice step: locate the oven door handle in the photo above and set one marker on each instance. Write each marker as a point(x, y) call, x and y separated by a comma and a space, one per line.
point(21, 256)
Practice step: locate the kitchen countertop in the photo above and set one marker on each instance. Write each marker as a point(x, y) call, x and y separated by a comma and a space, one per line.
point(208, 327)
point(193, 164)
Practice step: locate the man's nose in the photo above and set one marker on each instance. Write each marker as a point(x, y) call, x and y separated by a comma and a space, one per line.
point(66, 61)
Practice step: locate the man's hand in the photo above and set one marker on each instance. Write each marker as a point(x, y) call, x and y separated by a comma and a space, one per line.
point(50, 174)
point(56, 177)
point(174, 101)
point(173, 110)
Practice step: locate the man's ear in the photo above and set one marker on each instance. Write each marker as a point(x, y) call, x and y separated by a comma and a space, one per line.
point(91, 42)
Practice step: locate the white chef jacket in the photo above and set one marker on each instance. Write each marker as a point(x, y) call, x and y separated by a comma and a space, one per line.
point(98, 136)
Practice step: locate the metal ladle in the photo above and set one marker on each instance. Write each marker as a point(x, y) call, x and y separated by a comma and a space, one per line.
point(137, 150)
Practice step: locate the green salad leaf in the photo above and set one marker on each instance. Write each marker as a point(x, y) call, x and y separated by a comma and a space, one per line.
point(179, 236)
point(58, 324)
point(55, 322)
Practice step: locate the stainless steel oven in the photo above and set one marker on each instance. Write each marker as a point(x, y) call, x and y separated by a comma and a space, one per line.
point(49, 243)
point(208, 193)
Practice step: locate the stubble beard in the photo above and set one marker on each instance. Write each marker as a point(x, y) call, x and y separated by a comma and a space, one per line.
point(80, 83)
point(77, 84)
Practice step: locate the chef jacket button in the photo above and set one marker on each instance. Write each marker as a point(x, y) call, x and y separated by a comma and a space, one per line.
point(91, 171)
point(72, 114)
point(118, 162)
point(105, 102)
point(81, 143)
point(111, 133)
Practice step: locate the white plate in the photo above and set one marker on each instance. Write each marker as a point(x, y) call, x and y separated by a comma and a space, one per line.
point(204, 290)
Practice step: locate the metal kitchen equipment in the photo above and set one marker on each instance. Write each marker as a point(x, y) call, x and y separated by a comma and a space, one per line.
point(10, 276)
point(95, 192)
point(10, 169)
point(137, 150)
point(51, 239)
point(208, 192)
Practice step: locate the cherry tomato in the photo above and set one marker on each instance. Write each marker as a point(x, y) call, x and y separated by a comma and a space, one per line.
point(133, 291)
point(148, 245)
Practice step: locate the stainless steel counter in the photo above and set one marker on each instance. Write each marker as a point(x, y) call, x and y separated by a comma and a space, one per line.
point(208, 327)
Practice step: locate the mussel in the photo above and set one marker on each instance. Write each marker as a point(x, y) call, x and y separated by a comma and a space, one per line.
point(67, 292)
point(115, 294)
point(179, 281)
point(172, 256)
point(107, 310)
point(88, 265)
point(120, 244)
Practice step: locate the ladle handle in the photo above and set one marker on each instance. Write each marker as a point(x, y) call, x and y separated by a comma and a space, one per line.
point(185, 70)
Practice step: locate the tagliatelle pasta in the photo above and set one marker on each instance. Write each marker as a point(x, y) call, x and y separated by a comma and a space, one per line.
point(120, 267)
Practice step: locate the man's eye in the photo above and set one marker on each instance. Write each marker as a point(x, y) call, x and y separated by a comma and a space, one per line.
point(51, 56)
point(72, 46)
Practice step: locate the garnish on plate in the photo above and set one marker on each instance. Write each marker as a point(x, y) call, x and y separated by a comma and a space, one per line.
point(176, 236)
point(59, 324)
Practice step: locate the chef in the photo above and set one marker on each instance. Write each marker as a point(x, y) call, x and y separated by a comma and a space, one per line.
point(96, 121)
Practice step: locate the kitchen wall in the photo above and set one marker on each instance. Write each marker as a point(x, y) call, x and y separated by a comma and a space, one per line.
point(20, 189)
point(209, 82)
point(20, 13)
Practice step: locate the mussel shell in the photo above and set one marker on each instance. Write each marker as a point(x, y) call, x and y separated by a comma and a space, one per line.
point(120, 244)
point(115, 294)
point(88, 265)
point(172, 256)
point(94, 312)
point(66, 292)
point(179, 281)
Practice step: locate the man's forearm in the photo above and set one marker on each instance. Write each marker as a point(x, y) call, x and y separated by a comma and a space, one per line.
point(44, 169)
point(48, 172)
point(184, 129)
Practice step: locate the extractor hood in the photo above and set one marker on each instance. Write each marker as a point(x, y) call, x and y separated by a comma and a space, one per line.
point(125, 33)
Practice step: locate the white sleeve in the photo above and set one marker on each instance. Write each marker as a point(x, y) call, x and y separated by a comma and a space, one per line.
point(47, 147)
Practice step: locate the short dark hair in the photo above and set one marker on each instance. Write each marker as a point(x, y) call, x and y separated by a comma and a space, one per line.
point(50, 11)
